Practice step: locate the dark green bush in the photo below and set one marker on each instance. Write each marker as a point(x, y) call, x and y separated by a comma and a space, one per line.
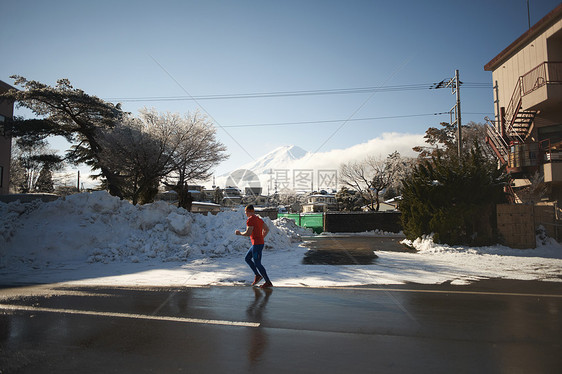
point(454, 199)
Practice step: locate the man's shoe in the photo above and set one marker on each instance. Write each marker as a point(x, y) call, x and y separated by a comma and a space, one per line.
point(266, 285)
point(257, 279)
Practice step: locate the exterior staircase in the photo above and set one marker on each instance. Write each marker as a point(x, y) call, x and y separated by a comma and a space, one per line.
point(516, 122)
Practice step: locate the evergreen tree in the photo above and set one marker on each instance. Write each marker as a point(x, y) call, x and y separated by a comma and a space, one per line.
point(69, 112)
point(444, 140)
point(32, 164)
point(454, 199)
point(45, 181)
point(349, 200)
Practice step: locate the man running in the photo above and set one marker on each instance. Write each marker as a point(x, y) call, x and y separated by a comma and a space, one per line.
point(257, 230)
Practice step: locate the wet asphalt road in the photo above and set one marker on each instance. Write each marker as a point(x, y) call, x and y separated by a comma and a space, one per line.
point(350, 250)
point(492, 326)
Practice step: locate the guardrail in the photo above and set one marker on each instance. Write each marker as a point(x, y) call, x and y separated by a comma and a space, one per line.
point(545, 73)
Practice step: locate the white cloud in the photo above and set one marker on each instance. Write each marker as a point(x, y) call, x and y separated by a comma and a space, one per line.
point(381, 146)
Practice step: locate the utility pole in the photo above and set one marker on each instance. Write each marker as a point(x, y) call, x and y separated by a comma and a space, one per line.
point(455, 111)
point(454, 83)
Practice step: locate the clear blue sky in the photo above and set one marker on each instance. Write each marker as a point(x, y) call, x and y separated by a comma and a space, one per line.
point(139, 49)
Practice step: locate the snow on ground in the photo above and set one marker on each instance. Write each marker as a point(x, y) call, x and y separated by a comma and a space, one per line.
point(97, 239)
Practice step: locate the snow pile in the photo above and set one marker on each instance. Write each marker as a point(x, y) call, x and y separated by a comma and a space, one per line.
point(546, 248)
point(292, 230)
point(97, 227)
point(97, 239)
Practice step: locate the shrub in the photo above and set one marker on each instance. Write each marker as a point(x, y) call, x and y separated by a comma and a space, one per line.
point(454, 199)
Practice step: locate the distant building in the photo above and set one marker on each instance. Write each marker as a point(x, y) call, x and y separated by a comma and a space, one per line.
point(205, 208)
point(197, 192)
point(232, 196)
point(383, 207)
point(320, 203)
point(252, 191)
point(6, 114)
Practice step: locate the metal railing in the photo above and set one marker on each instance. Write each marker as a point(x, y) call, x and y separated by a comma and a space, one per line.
point(498, 142)
point(546, 73)
point(550, 153)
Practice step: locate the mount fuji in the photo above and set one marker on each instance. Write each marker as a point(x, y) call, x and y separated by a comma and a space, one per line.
point(258, 172)
point(280, 158)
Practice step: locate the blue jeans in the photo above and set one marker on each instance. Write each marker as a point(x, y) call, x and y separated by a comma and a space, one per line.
point(255, 254)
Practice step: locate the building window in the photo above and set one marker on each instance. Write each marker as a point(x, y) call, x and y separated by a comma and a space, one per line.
point(1, 175)
point(2, 120)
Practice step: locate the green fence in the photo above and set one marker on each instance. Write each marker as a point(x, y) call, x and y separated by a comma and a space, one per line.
point(314, 221)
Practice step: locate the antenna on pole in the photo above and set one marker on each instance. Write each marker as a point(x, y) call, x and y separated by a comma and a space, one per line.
point(528, 14)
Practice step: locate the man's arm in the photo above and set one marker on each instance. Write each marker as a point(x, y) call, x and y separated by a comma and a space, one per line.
point(248, 232)
point(265, 230)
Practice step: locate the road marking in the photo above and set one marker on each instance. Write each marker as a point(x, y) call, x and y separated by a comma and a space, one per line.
point(444, 291)
point(26, 308)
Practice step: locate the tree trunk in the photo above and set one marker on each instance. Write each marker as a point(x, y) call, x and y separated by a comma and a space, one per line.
point(185, 200)
point(113, 184)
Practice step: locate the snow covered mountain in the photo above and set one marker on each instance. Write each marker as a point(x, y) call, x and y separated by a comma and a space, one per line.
point(279, 158)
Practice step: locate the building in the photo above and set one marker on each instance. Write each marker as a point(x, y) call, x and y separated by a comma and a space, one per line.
point(320, 203)
point(232, 197)
point(383, 207)
point(6, 114)
point(205, 208)
point(526, 134)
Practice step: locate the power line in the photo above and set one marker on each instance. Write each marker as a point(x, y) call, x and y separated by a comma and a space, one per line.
point(201, 106)
point(340, 120)
point(258, 95)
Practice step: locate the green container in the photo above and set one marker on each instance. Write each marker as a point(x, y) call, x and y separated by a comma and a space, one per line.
point(314, 221)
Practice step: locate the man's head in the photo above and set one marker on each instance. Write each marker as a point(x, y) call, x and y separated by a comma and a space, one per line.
point(249, 210)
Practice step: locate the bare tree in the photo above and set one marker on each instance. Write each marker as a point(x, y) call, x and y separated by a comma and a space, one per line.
point(371, 176)
point(358, 175)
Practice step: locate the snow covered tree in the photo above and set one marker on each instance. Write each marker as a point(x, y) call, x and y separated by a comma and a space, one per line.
point(139, 159)
point(133, 155)
point(32, 164)
point(371, 176)
point(69, 112)
point(454, 199)
point(194, 152)
point(161, 147)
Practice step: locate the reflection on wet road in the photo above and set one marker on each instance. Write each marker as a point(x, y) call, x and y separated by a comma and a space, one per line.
point(490, 326)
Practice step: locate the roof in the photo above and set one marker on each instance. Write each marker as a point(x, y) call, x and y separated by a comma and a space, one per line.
point(6, 86)
point(530, 34)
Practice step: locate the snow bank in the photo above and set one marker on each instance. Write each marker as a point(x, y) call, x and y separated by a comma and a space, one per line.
point(97, 227)
point(97, 239)
point(546, 248)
